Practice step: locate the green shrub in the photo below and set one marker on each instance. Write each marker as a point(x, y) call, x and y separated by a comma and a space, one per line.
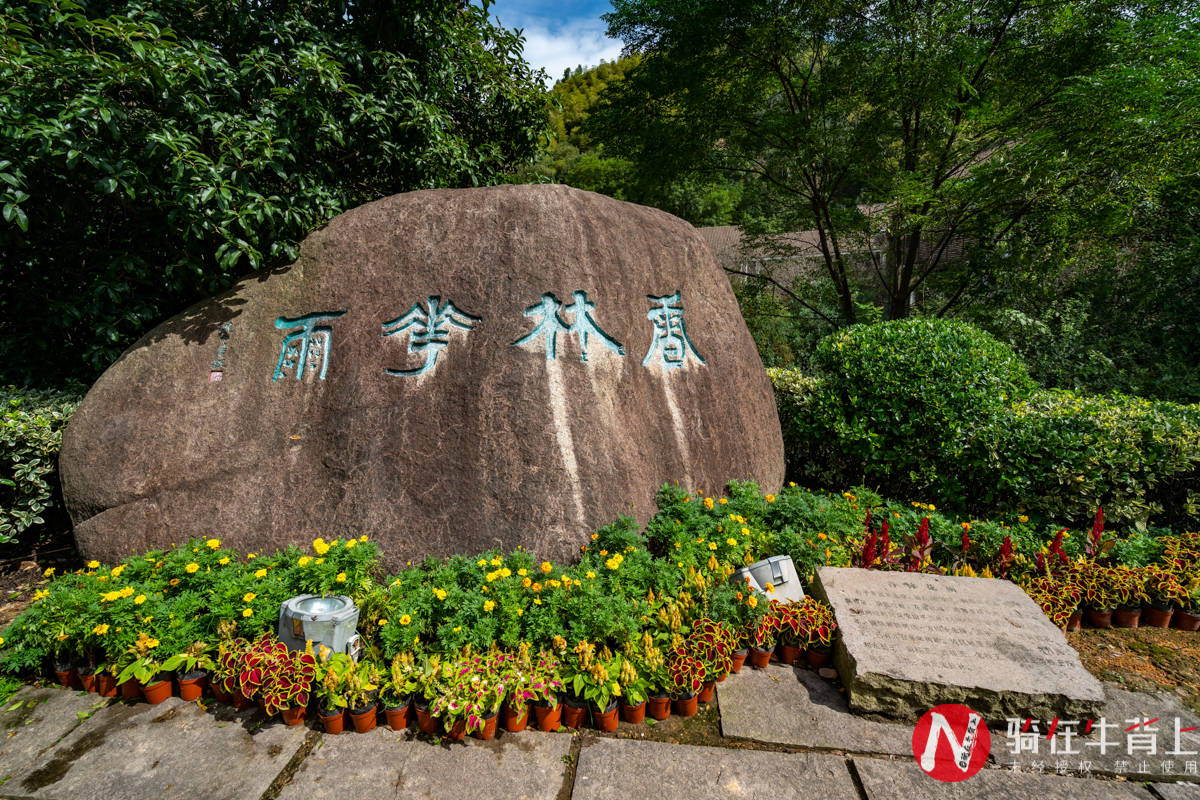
point(897, 403)
point(30, 437)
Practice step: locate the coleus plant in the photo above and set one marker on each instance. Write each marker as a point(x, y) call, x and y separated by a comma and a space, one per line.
point(288, 680)
point(472, 692)
point(763, 634)
point(817, 623)
point(227, 668)
point(713, 644)
point(686, 672)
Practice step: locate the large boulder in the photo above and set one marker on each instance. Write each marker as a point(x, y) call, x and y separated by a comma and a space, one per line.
point(446, 371)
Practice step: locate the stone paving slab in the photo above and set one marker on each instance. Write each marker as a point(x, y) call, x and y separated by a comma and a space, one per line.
point(903, 780)
point(384, 763)
point(35, 718)
point(789, 705)
point(171, 750)
point(1124, 708)
point(1176, 791)
point(617, 769)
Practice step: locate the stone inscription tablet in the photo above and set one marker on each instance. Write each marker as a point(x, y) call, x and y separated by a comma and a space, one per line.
point(909, 642)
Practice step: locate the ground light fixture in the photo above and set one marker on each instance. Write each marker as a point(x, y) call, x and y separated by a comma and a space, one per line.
point(325, 620)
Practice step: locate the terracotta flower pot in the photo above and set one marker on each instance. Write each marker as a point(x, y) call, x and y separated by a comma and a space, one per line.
point(87, 681)
point(364, 719)
point(816, 657)
point(489, 728)
point(549, 718)
point(1076, 621)
point(106, 685)
point(787, 654)
point(333, 723)
point(574, 716)
point(707, 691)
point(685, 706)
point(1098, 618)
point(220, 694)
point(1185, 621)
point(1153, 617)
point(293, 715)
point(457, 731)
point(397, 716)
point(67, 677)
point(191, 688)
point(606, 720)
point(130, 690)
point(659, 707)
point(759, 658)
point(514, 720)
point(633, 714)
point(738, 658)
point(157, 692)
point(426, 722)
point(1126, 617)
point(239, 700)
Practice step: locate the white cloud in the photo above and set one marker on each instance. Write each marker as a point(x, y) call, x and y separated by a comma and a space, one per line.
point(557, 46)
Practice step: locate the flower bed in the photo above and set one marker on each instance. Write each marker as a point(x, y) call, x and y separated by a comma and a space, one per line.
point(644, 613)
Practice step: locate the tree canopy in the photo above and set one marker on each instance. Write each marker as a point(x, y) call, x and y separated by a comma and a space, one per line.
point(153, 151)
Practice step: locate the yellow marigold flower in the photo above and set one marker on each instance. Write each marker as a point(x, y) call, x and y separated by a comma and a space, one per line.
point(547, 567)
point(527, 583)
point(192, 567)
point(770, 498)
point(595, 536)
point(38, 595)
point(537, 601)
point(319, 546)
point(745, 531)
point(127, 591)
point(481, 562)
point(966, 526)
point(382, 622)
point(792, 484)
point(731, 542)
point(304, 561)
point(712, 545)
point(341, 577)
point(708, 503)
point(590, 574)
point(603, 552)
point(505, 572)
point(488, 605)
point(224, 560)
point(522, 572)
point(723, 501)
point(931, 507)
point(93, 564)
point(141, 598)
point(107, 597)
point(334, 543)
point(612, 563)
point(752, 601)
point(537, 587)
point(822, 536)
point(101, 629)
point(260, 573)
point(405, 619)
point(496, 561)
point(213, 544)
point(248, 596)
point(769, 588)
point(174, 581)
point(552, 584)
point(117, 570)
point(687, 499)
point(247, 612)
point(319, 561)
point(48, 572)
point(491, 576)
point(440, 594)
point(1022, 518)
point(351, 544)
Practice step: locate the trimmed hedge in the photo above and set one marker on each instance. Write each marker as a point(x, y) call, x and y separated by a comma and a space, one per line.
point(30, 437)
point(940, 410)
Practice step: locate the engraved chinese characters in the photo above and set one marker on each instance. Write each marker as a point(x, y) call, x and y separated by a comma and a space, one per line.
point(911, 641)
point(306, 348)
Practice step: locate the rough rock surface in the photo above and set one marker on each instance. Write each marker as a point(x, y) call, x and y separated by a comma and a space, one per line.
point(909, 642)
point(418, 375)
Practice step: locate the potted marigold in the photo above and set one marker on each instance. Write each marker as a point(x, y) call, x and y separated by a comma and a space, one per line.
point(191, 667)
point(397, 689)
point(687, 679)
point(146, 670)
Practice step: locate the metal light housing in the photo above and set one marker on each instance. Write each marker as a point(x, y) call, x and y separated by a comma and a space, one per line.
point(325, 620)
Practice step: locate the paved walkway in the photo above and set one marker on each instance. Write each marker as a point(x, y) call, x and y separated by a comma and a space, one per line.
point(790, 731)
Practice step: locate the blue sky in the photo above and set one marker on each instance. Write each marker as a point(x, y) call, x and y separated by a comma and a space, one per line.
point(560, 34)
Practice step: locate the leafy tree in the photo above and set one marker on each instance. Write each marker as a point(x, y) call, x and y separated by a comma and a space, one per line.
point(152, 151)
point(894, 130)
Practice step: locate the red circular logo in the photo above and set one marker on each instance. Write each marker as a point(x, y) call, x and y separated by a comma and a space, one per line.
point(951, 743)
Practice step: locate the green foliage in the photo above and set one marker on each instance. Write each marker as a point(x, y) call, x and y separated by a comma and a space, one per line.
point(942, 411)
point(30, 437)
point(151, 153)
